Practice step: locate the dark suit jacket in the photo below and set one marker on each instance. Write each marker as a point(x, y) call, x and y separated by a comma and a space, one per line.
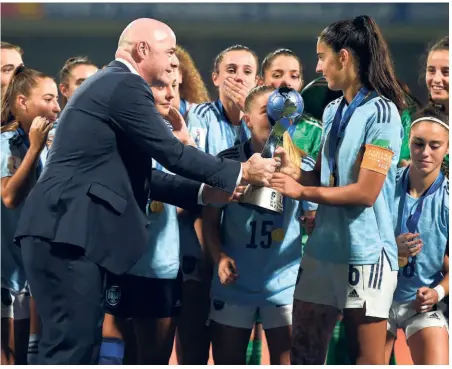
point(94, 187)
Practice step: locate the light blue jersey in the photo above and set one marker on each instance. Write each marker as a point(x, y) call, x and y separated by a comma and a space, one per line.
point(425, 269)
point(14, 146)
point(356, 234)
point(162, 258)
point(184, 107)
point(212, 132)
point(266, 249)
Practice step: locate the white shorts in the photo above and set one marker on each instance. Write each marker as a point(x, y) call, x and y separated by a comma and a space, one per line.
point(402, 315)
point(348, 286)
point(15, 306)
point(244, 316)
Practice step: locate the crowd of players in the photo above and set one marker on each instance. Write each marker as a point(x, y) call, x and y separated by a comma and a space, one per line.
point(210, 277)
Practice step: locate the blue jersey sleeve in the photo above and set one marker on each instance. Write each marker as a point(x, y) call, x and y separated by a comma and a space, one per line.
point(384, 126)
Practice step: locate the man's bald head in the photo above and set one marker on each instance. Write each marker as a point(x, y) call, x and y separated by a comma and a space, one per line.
point(145, 29)
point(149, 45)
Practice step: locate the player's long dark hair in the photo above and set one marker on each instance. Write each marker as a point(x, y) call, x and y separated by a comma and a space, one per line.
point(362, 37)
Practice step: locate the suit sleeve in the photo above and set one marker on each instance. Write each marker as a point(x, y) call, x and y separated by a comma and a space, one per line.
point(174, 190)
point(134, 114)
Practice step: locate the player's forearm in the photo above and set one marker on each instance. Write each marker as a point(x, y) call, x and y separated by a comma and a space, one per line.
point(211, 234)
point(350, 195)
point(445, 284)
point(212, 244)
point(18, 186)
point(198, 225)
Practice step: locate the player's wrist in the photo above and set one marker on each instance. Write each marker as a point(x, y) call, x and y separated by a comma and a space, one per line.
point(302, 192)
point(297, 174)
point(440, 291)
point(221, 256)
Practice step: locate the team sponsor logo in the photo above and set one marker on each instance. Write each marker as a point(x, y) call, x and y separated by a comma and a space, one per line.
point(434, 316)
point(113, 295)
point(353, 294)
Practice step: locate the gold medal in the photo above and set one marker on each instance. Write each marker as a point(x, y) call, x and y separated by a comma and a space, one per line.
point(403, 261)
point(278, 235)
point(332, 180)
point(156, 206)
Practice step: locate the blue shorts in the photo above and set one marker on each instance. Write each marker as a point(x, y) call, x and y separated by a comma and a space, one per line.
point(130, 296)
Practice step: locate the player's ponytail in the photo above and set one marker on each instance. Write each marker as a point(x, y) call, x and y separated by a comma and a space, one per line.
point(363, 38)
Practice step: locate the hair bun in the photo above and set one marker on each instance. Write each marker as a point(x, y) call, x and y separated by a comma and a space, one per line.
point(361, 21)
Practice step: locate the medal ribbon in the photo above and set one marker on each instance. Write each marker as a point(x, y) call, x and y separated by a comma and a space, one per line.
point(340, 124)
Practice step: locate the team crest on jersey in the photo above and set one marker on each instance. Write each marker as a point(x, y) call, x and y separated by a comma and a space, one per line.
point(200, 138)
point(218, 304)
point(50, 138)
point(13, 163)
point(113, 295)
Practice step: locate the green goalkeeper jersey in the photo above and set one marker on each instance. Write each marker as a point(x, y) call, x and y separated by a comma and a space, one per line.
point(308, 134)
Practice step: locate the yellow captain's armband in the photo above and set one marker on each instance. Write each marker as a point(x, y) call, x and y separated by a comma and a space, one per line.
point(377, 159)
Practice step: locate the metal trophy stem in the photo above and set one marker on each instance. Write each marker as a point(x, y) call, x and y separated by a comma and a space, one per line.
point(265, 199)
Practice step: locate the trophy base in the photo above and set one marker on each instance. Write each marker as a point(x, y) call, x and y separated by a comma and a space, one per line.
point(263, 199)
